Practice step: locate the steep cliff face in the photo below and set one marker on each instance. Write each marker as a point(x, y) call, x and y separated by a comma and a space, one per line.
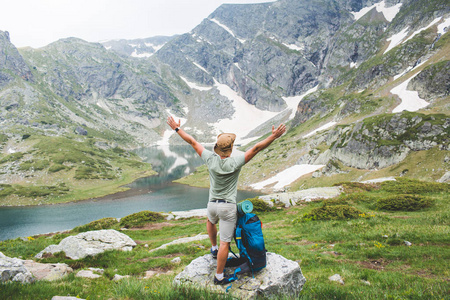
point(382, 141)
point(433, 82)
point(11, 62)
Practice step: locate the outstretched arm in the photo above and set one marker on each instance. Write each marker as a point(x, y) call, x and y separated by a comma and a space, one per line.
point(185, 136)
point(276, 133)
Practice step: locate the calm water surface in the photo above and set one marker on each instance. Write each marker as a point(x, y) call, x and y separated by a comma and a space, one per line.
point(155, 193)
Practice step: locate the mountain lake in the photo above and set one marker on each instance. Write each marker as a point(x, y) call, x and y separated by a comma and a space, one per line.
point(155, 193)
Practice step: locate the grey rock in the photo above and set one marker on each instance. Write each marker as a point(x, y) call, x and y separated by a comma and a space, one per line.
point(91, 243)
point(198, 237)
point(49, 272)
point(337, 278)
point(445, 177)
point(27, 271)
point(87, 274)
point(118, 277)
point(13, 269)
point(176, 260)
point(433, 82)
point(365, 282)
point(81, 131)
point(280, 277)
point(292, 198)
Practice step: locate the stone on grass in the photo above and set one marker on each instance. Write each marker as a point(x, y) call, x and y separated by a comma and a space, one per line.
point(151, 273)
point(365, 282)
point(49, 272)
point(280, 277)
point(176, 260)
point(118, 277)
point(337, 278)
point(292, 198)
point(87, 274)
point(12, 269)
point(27, 271)
point(91, 243)
point(65, 298)
point(198, 237)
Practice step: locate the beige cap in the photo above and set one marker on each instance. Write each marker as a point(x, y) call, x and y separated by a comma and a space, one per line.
point(224, 144)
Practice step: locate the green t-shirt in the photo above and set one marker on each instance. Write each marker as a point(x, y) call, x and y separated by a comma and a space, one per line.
point(223, 175)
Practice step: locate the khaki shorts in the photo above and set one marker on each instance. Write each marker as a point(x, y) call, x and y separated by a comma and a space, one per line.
point(226, 215)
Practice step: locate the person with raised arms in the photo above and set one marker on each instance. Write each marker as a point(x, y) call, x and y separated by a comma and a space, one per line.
point(223, 175)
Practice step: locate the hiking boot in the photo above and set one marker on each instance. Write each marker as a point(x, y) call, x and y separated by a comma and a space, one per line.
point(214, 253)
point(226, 280)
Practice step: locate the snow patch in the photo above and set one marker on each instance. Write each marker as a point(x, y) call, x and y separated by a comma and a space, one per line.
point(155, 47)
point(193, 85)
point(422, 29)
point(396, 39)
point(101, 103)
point(246, 116)
point(324, 127)
point(287, 176)
point(141, 55)
point(410, 99)
point(388, 12)
point(292, 102)
point(200, 67)
point(294, 47)
point(443, 27)
point(353, 65)
point(227, 29)
point(379, 180)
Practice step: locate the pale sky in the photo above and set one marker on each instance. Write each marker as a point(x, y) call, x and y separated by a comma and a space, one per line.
point(37, 23)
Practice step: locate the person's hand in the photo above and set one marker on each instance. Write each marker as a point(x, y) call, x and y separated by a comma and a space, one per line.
point(172, 123)
point(279, 131)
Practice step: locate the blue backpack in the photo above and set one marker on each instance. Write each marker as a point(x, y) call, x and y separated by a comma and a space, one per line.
point(250, 242)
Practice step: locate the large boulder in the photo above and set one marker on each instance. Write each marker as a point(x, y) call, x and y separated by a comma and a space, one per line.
point(91, 243)
point(280, 277)
point(49, 272)
point(12, 269)
point(27, 271)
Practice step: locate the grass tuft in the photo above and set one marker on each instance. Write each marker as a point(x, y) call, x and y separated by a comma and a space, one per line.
point(140, 219)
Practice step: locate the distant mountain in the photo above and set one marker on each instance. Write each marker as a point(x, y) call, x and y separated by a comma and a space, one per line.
point(339, 72)
point(141, 48)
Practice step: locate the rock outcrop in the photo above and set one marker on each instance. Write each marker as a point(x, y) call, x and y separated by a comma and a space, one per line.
point(12, 269)
point(385, 140)
point(292, 198)
point(280, 277)
point(91, 243)
point(27, 271)
point(433, 82)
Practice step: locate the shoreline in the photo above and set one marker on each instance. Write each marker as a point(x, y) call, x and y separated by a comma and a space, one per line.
point(114, 190)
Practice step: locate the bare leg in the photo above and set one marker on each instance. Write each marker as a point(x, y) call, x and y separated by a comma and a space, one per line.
point(222, 256)
point(212, 232)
